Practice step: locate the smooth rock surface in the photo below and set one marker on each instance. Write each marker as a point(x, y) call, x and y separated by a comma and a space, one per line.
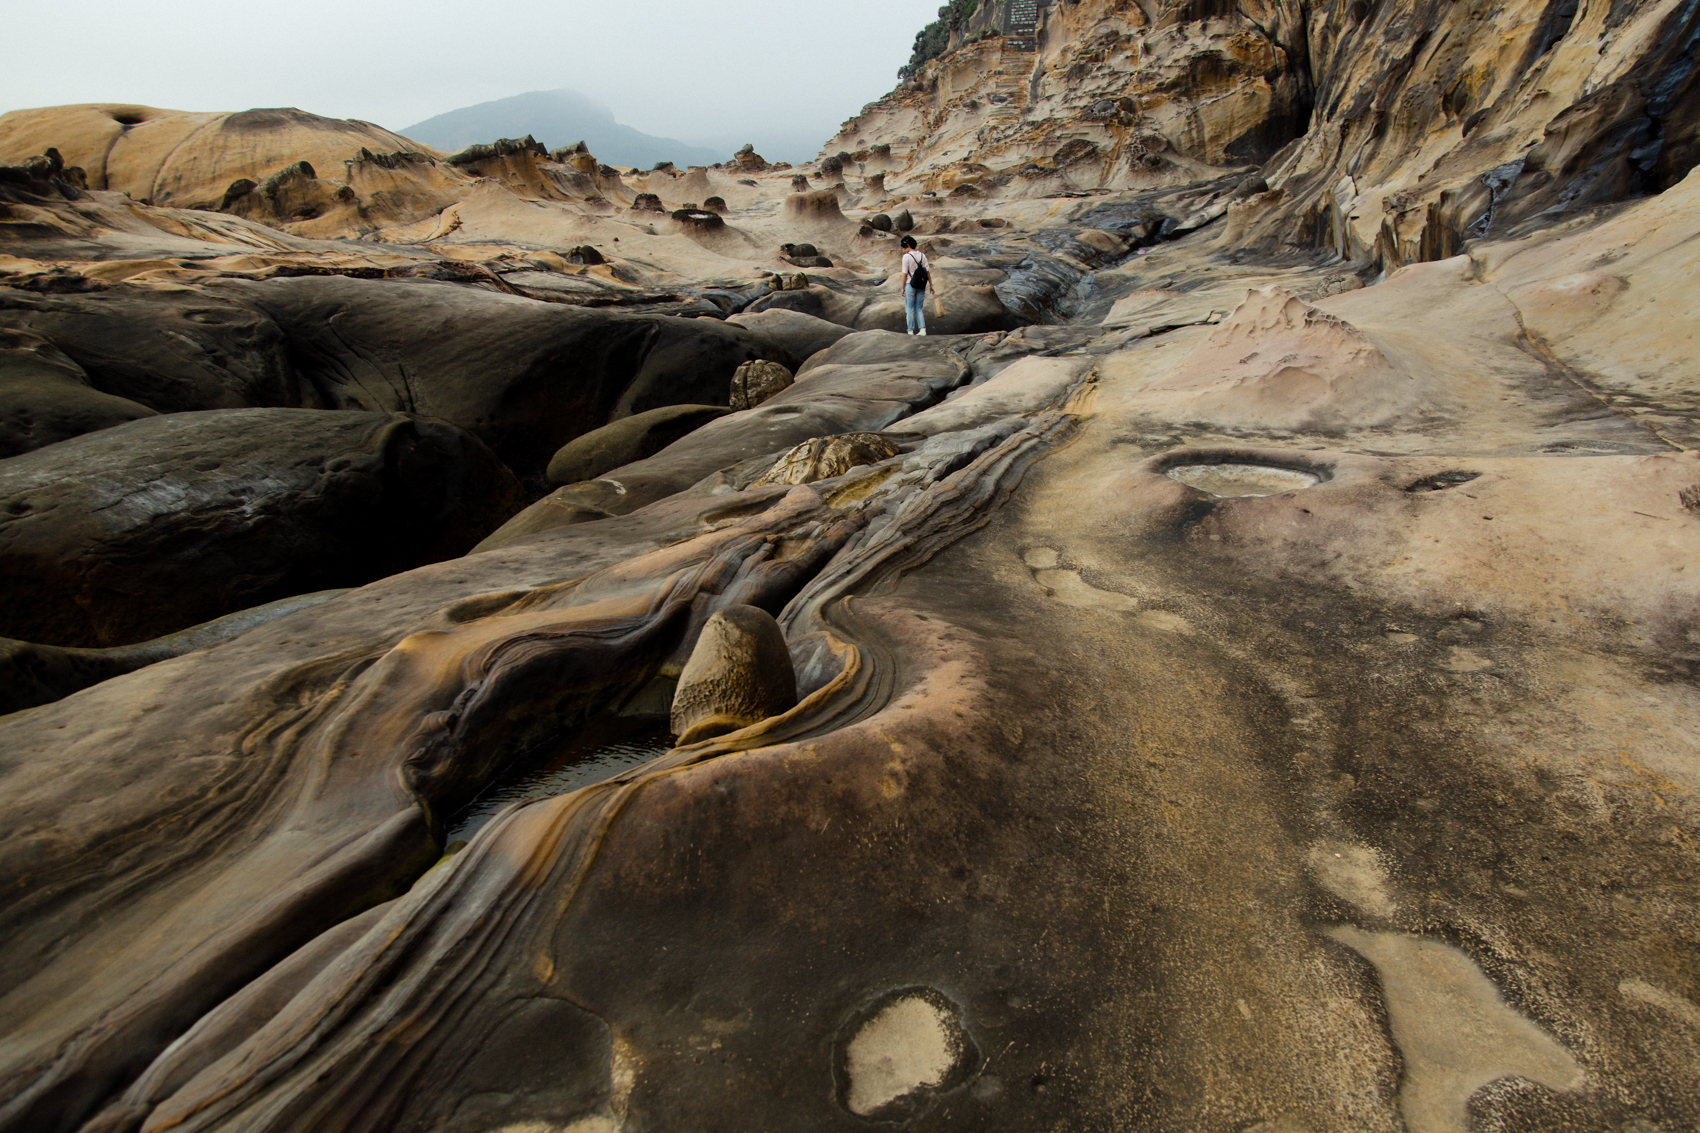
point(122, 535)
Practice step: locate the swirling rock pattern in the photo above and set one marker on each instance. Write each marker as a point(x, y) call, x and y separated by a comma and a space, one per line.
point(1251, 689)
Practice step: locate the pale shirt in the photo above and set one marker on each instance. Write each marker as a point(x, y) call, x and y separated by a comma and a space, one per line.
point(911, 260)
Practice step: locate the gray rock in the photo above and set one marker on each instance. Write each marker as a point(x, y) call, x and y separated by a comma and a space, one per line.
point(45, 397)
point(632, 438)
point(147, 527)
point(798, 334)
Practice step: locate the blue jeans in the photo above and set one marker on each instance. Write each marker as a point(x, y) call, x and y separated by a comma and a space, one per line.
point(915, 308)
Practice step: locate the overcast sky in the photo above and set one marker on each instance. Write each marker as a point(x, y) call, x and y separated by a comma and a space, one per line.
point(703, 70)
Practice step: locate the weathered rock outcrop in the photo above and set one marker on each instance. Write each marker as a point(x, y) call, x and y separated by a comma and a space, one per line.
point(1246, 685)
point(138, 530)
point(188, 160)
point(46, 397)
point(628, 439)
point(1387, 133)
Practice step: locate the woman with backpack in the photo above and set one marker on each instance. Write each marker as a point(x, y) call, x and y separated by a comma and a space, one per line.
point(917, 281)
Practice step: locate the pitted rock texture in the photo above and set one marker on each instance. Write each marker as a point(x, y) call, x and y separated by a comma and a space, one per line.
point(1252, 687)
point(755, 382)
point(822, 458)
point(739, 674)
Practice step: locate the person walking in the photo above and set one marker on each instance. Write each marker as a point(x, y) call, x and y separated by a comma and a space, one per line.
point(917, 281)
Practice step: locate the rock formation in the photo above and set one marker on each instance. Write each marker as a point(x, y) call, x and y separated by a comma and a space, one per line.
point(1238, 673)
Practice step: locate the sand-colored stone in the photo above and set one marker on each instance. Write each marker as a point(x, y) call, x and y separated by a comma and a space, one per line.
point(1251, 689)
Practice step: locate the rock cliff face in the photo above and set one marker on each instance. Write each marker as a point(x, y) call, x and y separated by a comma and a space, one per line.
point(1381, 131)
point(1239, 672)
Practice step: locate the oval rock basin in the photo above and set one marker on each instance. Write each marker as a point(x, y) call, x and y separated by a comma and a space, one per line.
point(1242, 479)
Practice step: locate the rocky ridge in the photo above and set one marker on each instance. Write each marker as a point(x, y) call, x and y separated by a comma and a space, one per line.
point(1236, 673)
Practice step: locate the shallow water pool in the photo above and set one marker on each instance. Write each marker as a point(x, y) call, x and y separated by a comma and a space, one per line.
point(593, 757)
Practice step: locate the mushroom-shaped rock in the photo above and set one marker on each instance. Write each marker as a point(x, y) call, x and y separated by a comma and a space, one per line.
point(903, 221)
point(821, 204)
point(880, 221)
point(822, 458)
point(647, 202)
point(699, 220)
point(637, 437)
point(715, 204)
point(739, 674)
point(799, 184)
point(756, 381)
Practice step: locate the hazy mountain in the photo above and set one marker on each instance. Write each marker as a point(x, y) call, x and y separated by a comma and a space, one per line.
point(557, 118)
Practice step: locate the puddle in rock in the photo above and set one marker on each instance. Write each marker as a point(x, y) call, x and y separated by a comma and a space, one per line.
point(1242, 479)
point(597, 753)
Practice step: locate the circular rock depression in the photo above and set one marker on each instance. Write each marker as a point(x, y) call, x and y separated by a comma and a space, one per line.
point(900, 1051)
point(1242, 479)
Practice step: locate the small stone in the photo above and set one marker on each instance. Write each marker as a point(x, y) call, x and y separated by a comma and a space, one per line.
point(756, 381)
point(825, 457)
point(739, 674)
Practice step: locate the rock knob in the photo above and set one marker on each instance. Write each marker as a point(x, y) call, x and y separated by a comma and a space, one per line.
point(739, 674)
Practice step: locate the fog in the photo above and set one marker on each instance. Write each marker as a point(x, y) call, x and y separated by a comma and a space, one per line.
point(782, 74)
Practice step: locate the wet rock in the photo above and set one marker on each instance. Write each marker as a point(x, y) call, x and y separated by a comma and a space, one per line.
point(525, 377)
point(167, 350)
point(46, 397)
point(861, 383)
point(798, 334)
point(147, 527)
point(755, 382)
point(631, 438)
point(822, 458)
point(32, 674)
point(739, 674)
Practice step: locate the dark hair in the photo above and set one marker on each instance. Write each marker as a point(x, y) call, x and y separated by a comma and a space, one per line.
point(906, 242)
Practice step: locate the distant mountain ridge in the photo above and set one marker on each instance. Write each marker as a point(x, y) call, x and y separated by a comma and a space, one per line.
point(557, 118)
